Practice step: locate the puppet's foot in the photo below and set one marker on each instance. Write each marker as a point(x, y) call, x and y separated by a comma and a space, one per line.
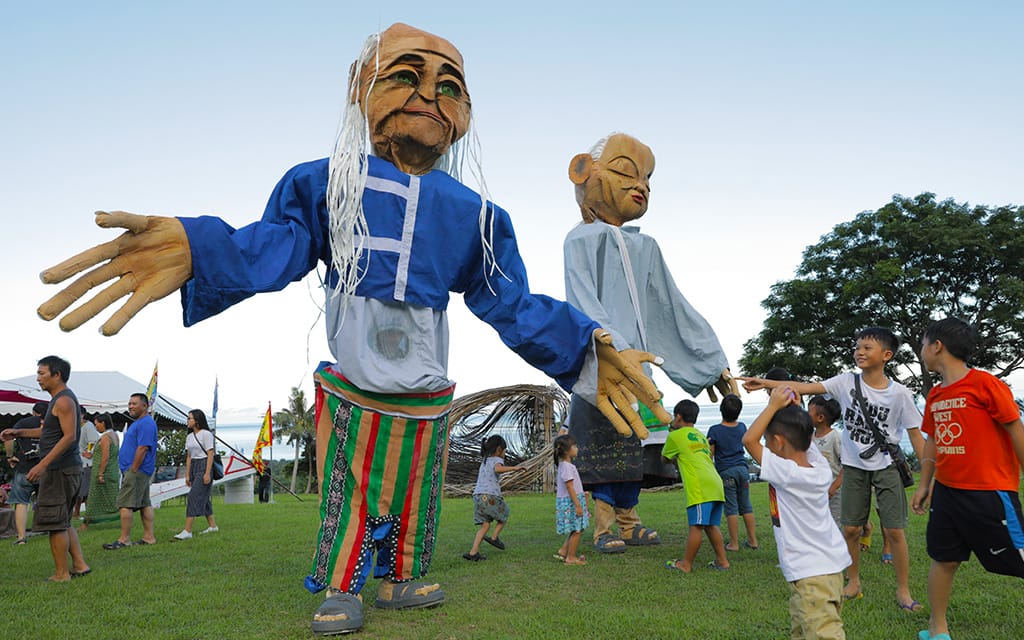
point(607, 543)
point(641, 537)
point(409, 595)
point(340, 613)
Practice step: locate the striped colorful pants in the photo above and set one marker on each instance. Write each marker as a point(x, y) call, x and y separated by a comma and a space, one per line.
point(382, 460)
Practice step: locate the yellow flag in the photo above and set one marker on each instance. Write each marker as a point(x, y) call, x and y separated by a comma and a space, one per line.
point(264, 439)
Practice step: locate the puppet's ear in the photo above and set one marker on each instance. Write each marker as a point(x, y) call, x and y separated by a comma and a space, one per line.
point(580, 168)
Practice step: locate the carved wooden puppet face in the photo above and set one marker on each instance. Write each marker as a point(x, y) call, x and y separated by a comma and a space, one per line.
point(418, 105)
point(616, 186)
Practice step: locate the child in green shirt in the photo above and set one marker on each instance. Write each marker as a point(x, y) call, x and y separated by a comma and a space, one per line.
point(705, 496)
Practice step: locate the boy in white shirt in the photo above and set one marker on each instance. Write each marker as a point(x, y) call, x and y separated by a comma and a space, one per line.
point(812, 551)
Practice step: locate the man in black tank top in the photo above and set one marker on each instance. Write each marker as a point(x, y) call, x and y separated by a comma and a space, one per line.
point(59, 470)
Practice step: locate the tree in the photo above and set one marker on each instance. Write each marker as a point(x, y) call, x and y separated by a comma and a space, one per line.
point(297, 422)
point(170, 447)
point(911, 262)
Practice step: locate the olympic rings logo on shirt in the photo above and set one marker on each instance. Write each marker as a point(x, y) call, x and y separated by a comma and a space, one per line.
point(945, 434)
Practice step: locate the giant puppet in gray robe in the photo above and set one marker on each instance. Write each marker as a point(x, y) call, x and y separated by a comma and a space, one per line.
point(617, 276)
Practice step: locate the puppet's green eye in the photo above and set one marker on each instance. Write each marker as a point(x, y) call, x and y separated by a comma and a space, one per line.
point(405, 77)
point(449, 89)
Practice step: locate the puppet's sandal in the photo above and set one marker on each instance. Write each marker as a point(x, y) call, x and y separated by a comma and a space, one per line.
point(607, 543)
point(409, 595)
point(641, 537)
point(340, 613)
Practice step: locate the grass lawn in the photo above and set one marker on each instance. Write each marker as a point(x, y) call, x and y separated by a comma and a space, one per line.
point(246, 581)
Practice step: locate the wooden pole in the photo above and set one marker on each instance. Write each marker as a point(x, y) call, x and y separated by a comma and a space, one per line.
point(548, 412)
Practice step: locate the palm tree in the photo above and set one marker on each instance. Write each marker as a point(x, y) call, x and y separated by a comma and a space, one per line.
point(297, 423)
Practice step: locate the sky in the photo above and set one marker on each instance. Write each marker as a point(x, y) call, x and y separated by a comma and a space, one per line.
point(770, 123)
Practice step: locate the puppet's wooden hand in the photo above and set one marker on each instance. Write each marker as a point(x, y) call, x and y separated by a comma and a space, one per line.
point(149, 261)
point(726, 384)
point(621, 382)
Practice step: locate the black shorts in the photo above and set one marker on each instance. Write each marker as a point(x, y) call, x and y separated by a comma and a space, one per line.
point(989, 523)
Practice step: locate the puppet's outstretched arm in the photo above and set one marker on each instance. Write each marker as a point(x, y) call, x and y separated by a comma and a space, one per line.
point(149, 261)
point(621, 382)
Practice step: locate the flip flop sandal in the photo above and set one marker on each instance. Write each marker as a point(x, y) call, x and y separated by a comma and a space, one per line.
point(858, 596)
point(340, 613)
point(142, 542)
point(607, 543)
point(117, 544)
point(411, 595)
point(746, 543)
point(21, 541)
point(642, 537)
point(886, 558)
point(924, 635)
point(865, 542)
point(672, 565)
point(912, 607)
point(79, 574)
point(495, 542)
point(474, 557)
point(717, 567)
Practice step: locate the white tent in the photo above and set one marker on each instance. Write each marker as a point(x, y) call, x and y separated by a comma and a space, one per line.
point(97, 391)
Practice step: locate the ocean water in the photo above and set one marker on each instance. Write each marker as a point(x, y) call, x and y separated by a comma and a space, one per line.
point(243, 438)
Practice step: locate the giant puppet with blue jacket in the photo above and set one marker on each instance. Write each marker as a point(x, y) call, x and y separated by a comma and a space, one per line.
point(397, 232)
point(617, 276)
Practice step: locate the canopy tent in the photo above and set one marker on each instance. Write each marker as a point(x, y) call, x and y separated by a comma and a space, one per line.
point(97, 391)
point(12, 400)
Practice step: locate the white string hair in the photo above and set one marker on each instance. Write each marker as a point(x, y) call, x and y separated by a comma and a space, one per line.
point(486, 223)
point(347, 180)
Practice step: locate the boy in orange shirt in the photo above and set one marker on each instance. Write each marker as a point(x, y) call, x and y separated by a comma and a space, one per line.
point(974, 451)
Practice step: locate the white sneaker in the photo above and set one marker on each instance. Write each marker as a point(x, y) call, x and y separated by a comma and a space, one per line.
point(184, 535)
point(209, 530)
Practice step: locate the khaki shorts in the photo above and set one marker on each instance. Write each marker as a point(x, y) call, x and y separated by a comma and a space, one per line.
point(815, 604)
point(134, 492)
point(58, 493)
point(889, 491)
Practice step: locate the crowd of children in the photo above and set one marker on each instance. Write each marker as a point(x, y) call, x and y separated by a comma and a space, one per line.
point(822, 481)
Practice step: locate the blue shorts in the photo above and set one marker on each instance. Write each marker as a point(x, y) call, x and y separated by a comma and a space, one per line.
point(736, 482)
point(21, 490)
point(705, 514)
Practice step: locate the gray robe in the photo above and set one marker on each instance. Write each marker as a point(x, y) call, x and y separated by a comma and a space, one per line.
point(597, 283)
